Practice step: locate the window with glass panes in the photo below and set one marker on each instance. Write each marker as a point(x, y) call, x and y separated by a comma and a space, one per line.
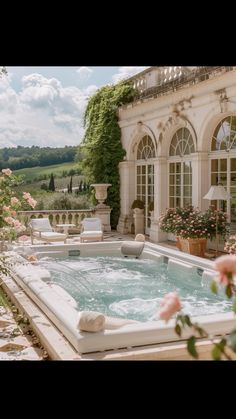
point(180, 170)
point(145, 176)
point(223, 165)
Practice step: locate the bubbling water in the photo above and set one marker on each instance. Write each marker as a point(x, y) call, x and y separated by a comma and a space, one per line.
point(131, 288)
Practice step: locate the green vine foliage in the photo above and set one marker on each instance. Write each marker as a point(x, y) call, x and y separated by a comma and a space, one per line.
point(102, 146)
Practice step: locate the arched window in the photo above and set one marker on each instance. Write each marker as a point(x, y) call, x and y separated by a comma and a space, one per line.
point(223, 163)
point(180, 169)
point(145, 176)
point(182, 143)
point(146, 149)
point(224, 137)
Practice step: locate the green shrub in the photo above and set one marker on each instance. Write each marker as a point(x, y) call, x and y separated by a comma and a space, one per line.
point(151, 206)
point(137, 204)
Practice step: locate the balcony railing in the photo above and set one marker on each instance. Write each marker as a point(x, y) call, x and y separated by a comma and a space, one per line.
point(197, 75)
point(58, 217)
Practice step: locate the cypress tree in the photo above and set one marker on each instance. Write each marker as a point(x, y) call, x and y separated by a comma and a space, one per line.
point(70, 187)
point(81, 186)
point(51, 186)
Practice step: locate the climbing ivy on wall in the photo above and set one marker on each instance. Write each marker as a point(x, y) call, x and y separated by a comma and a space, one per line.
point(102, 141)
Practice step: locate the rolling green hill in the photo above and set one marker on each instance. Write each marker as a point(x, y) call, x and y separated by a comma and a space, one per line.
point(32, 173)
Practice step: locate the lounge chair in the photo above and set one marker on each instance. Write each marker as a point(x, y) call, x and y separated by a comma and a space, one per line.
point(41, 229)
point(91, 230)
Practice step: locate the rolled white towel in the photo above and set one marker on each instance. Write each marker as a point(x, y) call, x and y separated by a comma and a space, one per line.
point(91, 321)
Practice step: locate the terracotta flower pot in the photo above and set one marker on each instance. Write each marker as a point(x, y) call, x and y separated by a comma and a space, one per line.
point(196, 247)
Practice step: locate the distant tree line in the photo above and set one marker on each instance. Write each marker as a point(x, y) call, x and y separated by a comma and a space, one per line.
point(23, 157)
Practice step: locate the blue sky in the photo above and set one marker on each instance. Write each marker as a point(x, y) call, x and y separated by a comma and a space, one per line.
point(44, 106)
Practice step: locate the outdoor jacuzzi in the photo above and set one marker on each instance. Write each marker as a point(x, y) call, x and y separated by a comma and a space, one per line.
point(97, 277)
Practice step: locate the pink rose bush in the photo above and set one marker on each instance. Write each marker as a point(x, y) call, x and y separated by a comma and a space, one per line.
point(230, 245)
point(189, 222)
point(225, 267)
point(169, 306)
point(10, 226)
point(7, 172)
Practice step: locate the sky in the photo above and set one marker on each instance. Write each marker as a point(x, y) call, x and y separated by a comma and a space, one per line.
point(44, 106)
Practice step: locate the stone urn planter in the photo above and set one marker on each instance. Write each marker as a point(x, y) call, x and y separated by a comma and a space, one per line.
point(101, 193)
point(138, 210)
point(196, 247)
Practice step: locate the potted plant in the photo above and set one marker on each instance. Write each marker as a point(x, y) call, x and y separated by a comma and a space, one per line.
point(192, 227)
point(138, 206)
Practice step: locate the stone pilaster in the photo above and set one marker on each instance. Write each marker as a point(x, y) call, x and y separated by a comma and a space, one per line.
point(127, 195)
point(160, 198)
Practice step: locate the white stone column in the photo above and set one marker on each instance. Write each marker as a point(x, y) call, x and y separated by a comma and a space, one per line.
point(160, 198)
point(200, 180)
point(127, 195)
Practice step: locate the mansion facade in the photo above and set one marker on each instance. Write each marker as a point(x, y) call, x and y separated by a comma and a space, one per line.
point(179, 135)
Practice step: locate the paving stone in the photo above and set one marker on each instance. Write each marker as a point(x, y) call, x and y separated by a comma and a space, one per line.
point(6, 357)
point(2, 310)
point(11, 346)
point(32, 354)
point(5, 323)
point(22, 340)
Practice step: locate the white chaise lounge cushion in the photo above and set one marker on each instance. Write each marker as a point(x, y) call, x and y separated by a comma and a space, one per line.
point(41, 224)
point(134, 248)
point(90, 234)
point(92, 229)
point(47, 235)
point(92, 224)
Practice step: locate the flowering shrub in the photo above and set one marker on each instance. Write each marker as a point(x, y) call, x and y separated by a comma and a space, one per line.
point(230, 245)
point(225, 267)
point(10, 226)
point(191, 223)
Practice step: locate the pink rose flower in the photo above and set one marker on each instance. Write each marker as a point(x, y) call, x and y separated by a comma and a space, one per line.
point(5, 208)
point(9, 220)
point(7, 172)
point(23, 238)
point(26, 195)
point(226, 267)
point(32, 202)
point(169, 306)
point(14, 201)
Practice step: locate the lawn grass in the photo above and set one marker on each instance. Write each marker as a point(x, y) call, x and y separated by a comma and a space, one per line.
point(31, 173)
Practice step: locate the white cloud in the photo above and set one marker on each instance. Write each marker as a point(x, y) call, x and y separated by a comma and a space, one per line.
point(90, 90)
point(84, 73)
point(43, 113)
point(125, 72)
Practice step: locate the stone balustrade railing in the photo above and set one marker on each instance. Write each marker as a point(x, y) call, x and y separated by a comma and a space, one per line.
point(58, 217)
